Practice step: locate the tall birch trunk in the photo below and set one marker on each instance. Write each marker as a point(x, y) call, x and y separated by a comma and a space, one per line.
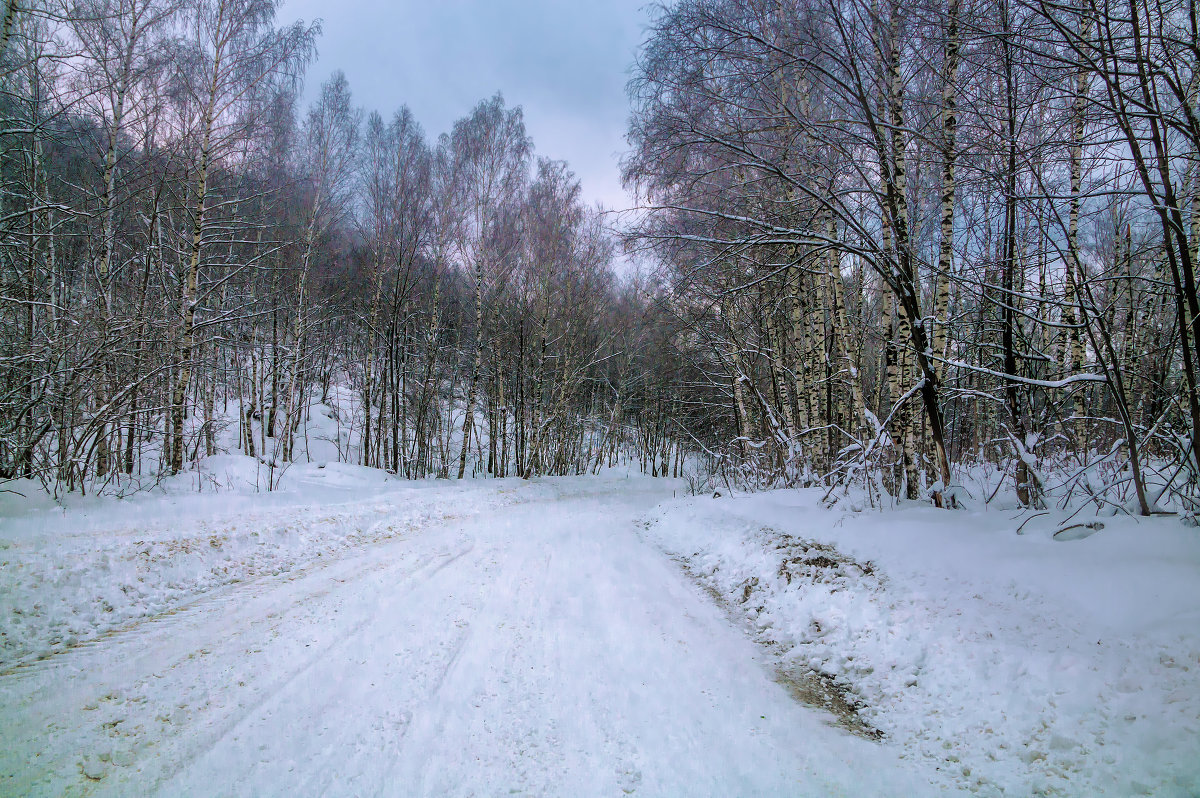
point(949, 114)
point(798, 348)
point(6, 26)
point(778, 371)
point(469, 418)
point(904, 278)
point(841, 326)
point(1071, 298)
point(191, 279)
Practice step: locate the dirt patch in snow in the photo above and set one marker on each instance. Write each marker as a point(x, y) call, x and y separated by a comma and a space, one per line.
point(809, 561)
point(803, 560)
point(820, 690)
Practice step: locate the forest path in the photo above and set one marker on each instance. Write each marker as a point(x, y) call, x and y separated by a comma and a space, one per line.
point(545, 649)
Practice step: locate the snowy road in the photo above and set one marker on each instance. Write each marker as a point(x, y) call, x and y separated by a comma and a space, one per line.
point(543, 650)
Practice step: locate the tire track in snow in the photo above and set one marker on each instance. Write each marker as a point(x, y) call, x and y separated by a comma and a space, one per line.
point(274, 692)
point(240, 619)
point(559, 655)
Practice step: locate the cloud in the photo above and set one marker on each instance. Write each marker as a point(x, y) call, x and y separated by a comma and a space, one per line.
point(565, 62)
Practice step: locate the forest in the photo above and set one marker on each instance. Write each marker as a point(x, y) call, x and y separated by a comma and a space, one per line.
point(920, 249)
point(190, 257)
point(847, 447)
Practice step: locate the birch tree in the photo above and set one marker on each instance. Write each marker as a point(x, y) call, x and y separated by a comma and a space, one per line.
point(489, 156)
point(233, 48)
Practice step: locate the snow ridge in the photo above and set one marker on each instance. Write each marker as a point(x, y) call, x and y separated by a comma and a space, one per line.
point(990, 682)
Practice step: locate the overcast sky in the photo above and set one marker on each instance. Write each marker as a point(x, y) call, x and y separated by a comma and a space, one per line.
point(566, 62)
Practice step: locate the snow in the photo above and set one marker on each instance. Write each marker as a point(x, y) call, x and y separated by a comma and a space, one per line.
point(355, 634)
point(504, 637)
point(72, 574)
point(1006, 664)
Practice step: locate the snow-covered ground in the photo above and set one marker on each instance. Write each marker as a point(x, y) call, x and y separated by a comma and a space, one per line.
point(73, 573)
point(1004, 664)
point(542, 647)
point(354, 634)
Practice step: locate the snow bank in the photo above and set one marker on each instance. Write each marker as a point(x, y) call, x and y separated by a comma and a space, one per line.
point(69, 574)
point(1009, 664)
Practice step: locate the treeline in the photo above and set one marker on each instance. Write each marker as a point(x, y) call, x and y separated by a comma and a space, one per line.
point(189, 261)
point(904, 239)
